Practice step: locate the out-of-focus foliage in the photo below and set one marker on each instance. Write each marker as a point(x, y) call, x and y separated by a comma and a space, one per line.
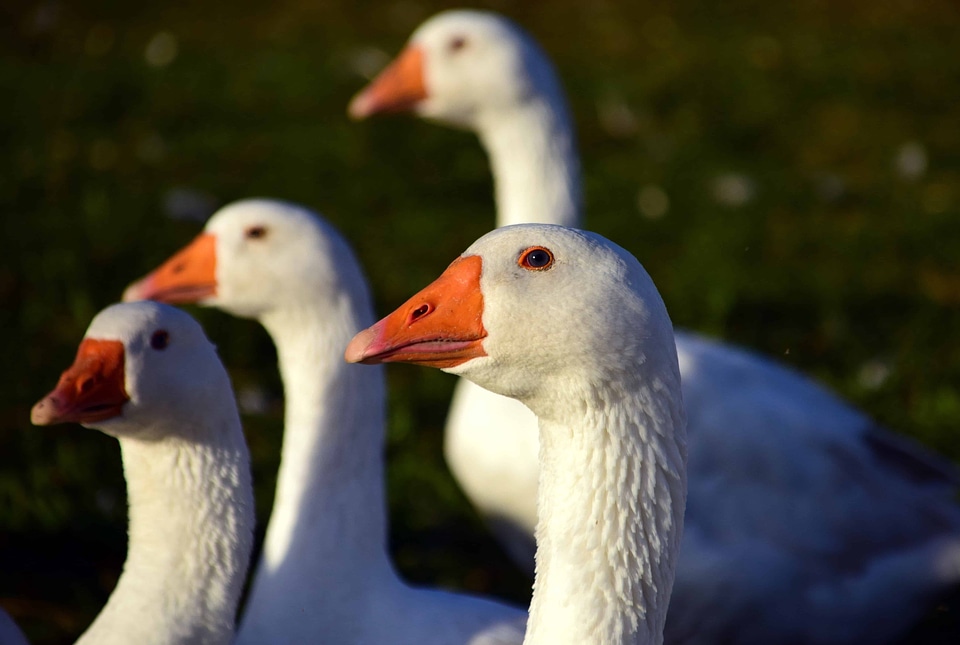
point(788, 172)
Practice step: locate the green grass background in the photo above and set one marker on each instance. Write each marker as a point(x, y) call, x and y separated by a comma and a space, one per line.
point(835, 122)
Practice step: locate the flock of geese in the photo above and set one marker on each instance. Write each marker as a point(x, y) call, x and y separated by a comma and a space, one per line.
point(791, 518)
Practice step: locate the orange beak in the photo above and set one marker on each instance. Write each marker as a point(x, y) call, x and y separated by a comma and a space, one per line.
point(190, 275)
point(397, 88)
point(92, 389)
point(441, 326)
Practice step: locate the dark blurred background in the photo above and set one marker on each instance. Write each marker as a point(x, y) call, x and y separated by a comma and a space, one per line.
point(787, 172)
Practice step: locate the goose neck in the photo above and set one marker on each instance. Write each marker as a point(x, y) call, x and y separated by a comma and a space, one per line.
point(611, 499)
point(330, 503)
point(190, 538)
point(533, 159)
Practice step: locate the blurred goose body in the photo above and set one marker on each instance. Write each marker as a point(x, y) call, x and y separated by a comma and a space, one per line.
point(146, 374)
point(509, 315)
point(324, 573)
point(10, 633)
point(805, 520)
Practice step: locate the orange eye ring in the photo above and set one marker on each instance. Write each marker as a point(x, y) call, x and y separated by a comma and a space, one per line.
point(536, 258)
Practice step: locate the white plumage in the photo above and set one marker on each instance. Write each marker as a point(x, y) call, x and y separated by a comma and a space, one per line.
point(805, 520)
point(324, 574)
point(10, 633)
point(147, 375)
point(584, 340)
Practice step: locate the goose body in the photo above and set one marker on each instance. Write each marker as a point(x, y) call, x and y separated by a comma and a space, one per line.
point(324, 574)
point(605, 386)
point(10, 633)
point(805, 520)
point(146, 374)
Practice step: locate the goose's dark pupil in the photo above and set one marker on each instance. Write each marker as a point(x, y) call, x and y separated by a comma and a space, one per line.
point(538, 259)
point(160, 339)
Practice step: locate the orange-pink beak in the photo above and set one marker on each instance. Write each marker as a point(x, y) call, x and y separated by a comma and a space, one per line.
point(398, 88)
point(190, 275)
point(442, 326)
point(92, 389)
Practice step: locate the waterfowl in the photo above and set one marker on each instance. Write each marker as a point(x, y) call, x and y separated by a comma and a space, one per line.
point(571, 325)
point(805, 519)
point(146, 374)
point(325, 573)
point(10, 633)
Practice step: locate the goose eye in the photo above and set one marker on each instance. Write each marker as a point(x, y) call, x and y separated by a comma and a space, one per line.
point(160, 339)
point(256, 232)
point(536, 258)
point(458, 43)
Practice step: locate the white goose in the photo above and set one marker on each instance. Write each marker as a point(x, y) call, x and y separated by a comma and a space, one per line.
point(324, 573)
point(146, 374)
point(804, 518)
point(571, 325)
point(10, 633)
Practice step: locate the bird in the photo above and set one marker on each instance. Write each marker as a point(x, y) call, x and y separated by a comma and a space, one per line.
point(325, 572)
point(806, 520)
point(571, 325)
point(146, 374)
point(10, 632)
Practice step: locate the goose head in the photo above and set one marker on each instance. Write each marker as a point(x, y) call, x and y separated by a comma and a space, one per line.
point(458, 67)
point(143, 370)
point(253, 257)
point(540, 313)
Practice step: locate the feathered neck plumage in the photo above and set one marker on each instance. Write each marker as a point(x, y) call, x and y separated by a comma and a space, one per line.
point(190, 538)
point(328, 527)
point(534, 161)
point(611, 501)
